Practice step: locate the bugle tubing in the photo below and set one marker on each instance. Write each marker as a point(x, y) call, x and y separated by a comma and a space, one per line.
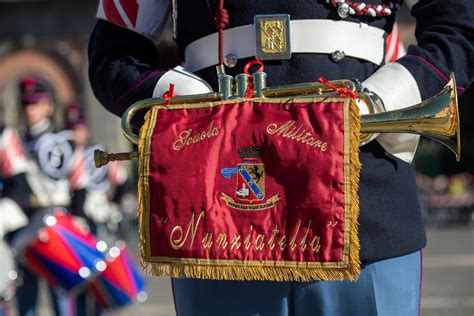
point(436, 117)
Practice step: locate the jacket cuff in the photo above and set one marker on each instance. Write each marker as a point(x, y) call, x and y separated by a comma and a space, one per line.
point(398, 89)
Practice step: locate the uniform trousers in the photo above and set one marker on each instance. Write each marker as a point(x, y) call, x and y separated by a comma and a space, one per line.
point(27, 296)
point(389, 287)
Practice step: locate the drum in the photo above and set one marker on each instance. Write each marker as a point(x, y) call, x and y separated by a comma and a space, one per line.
point(8, 273)
point(63, 252)
point(120, 283)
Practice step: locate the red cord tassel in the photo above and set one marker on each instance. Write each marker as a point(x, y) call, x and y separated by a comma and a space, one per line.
point(246, 71)
point(343, 92)
point(169, 94)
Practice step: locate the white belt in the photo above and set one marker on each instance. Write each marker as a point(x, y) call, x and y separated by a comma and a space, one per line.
point(357, 40)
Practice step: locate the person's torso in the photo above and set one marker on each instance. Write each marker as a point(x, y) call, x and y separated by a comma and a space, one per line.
point(196, 20)
point(390, 217)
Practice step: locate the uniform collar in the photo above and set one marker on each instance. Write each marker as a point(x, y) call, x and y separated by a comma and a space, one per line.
point(39, 129)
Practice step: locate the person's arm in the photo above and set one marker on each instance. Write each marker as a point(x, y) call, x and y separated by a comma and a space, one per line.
point(445, 36)
point(123, 61)
point(123, 66)
point(13, 169)
point(12, 155)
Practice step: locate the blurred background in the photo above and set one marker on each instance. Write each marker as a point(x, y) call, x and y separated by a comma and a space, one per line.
point(50, 38)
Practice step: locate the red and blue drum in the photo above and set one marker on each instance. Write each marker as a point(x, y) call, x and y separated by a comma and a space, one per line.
point(120, 283)
point(64, 252)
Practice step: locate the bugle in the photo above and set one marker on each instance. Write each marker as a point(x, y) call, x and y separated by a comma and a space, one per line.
point(436, 117)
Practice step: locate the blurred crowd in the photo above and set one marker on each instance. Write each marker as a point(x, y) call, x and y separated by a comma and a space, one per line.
point(447, 199)
point(62, 220)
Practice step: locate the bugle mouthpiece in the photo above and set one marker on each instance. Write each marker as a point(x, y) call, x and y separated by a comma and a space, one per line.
point(101, 158)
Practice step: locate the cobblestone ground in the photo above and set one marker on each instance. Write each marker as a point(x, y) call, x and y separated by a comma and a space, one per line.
point(448, 279)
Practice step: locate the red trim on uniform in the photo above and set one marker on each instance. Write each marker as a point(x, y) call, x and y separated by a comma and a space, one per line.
point(131, 9)
point(210, 10)
point(421, 282)
point(135, 87)
point(4, 310)
point(394, 46)
point(77, 172)
point(11, 152)
point(5, 164)
point(72, 304)
point(427, 63)
point(362, 8)
point(112, 14)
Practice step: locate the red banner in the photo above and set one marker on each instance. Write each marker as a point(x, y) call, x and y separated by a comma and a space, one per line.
point(258, 189)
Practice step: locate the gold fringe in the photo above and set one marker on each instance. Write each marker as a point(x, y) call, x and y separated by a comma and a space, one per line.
point(354, 248)
point(143, 183)
point(216, 272)
point(221, 272)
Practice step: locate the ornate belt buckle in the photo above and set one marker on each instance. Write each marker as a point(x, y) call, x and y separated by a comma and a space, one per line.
point(272, 34)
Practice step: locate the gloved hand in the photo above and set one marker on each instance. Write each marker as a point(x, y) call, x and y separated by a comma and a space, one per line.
point(97, 207)
point(185, 83)
point(11, 216)
point(395, 85)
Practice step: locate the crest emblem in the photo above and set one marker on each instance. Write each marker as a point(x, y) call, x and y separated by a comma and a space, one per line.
point(272, 36)
point(250, 176)
point(250, 188)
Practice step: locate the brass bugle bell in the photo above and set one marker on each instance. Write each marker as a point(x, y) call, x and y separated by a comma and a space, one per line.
point(436, 117)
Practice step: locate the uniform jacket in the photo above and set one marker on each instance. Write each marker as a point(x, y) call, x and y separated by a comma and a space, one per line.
point(48, 156)
point(91, 186)
point(125, 67)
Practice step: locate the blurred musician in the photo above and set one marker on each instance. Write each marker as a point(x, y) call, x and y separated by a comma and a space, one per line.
point(96, 193)
point(14, 192)
point(13, 186)
point(47, 156)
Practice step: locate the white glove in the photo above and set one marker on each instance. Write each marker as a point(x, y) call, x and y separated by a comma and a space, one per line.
point(97, 207)
point(185, 83)
point(11, 216)
point(363, 107)
point(398, 89)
